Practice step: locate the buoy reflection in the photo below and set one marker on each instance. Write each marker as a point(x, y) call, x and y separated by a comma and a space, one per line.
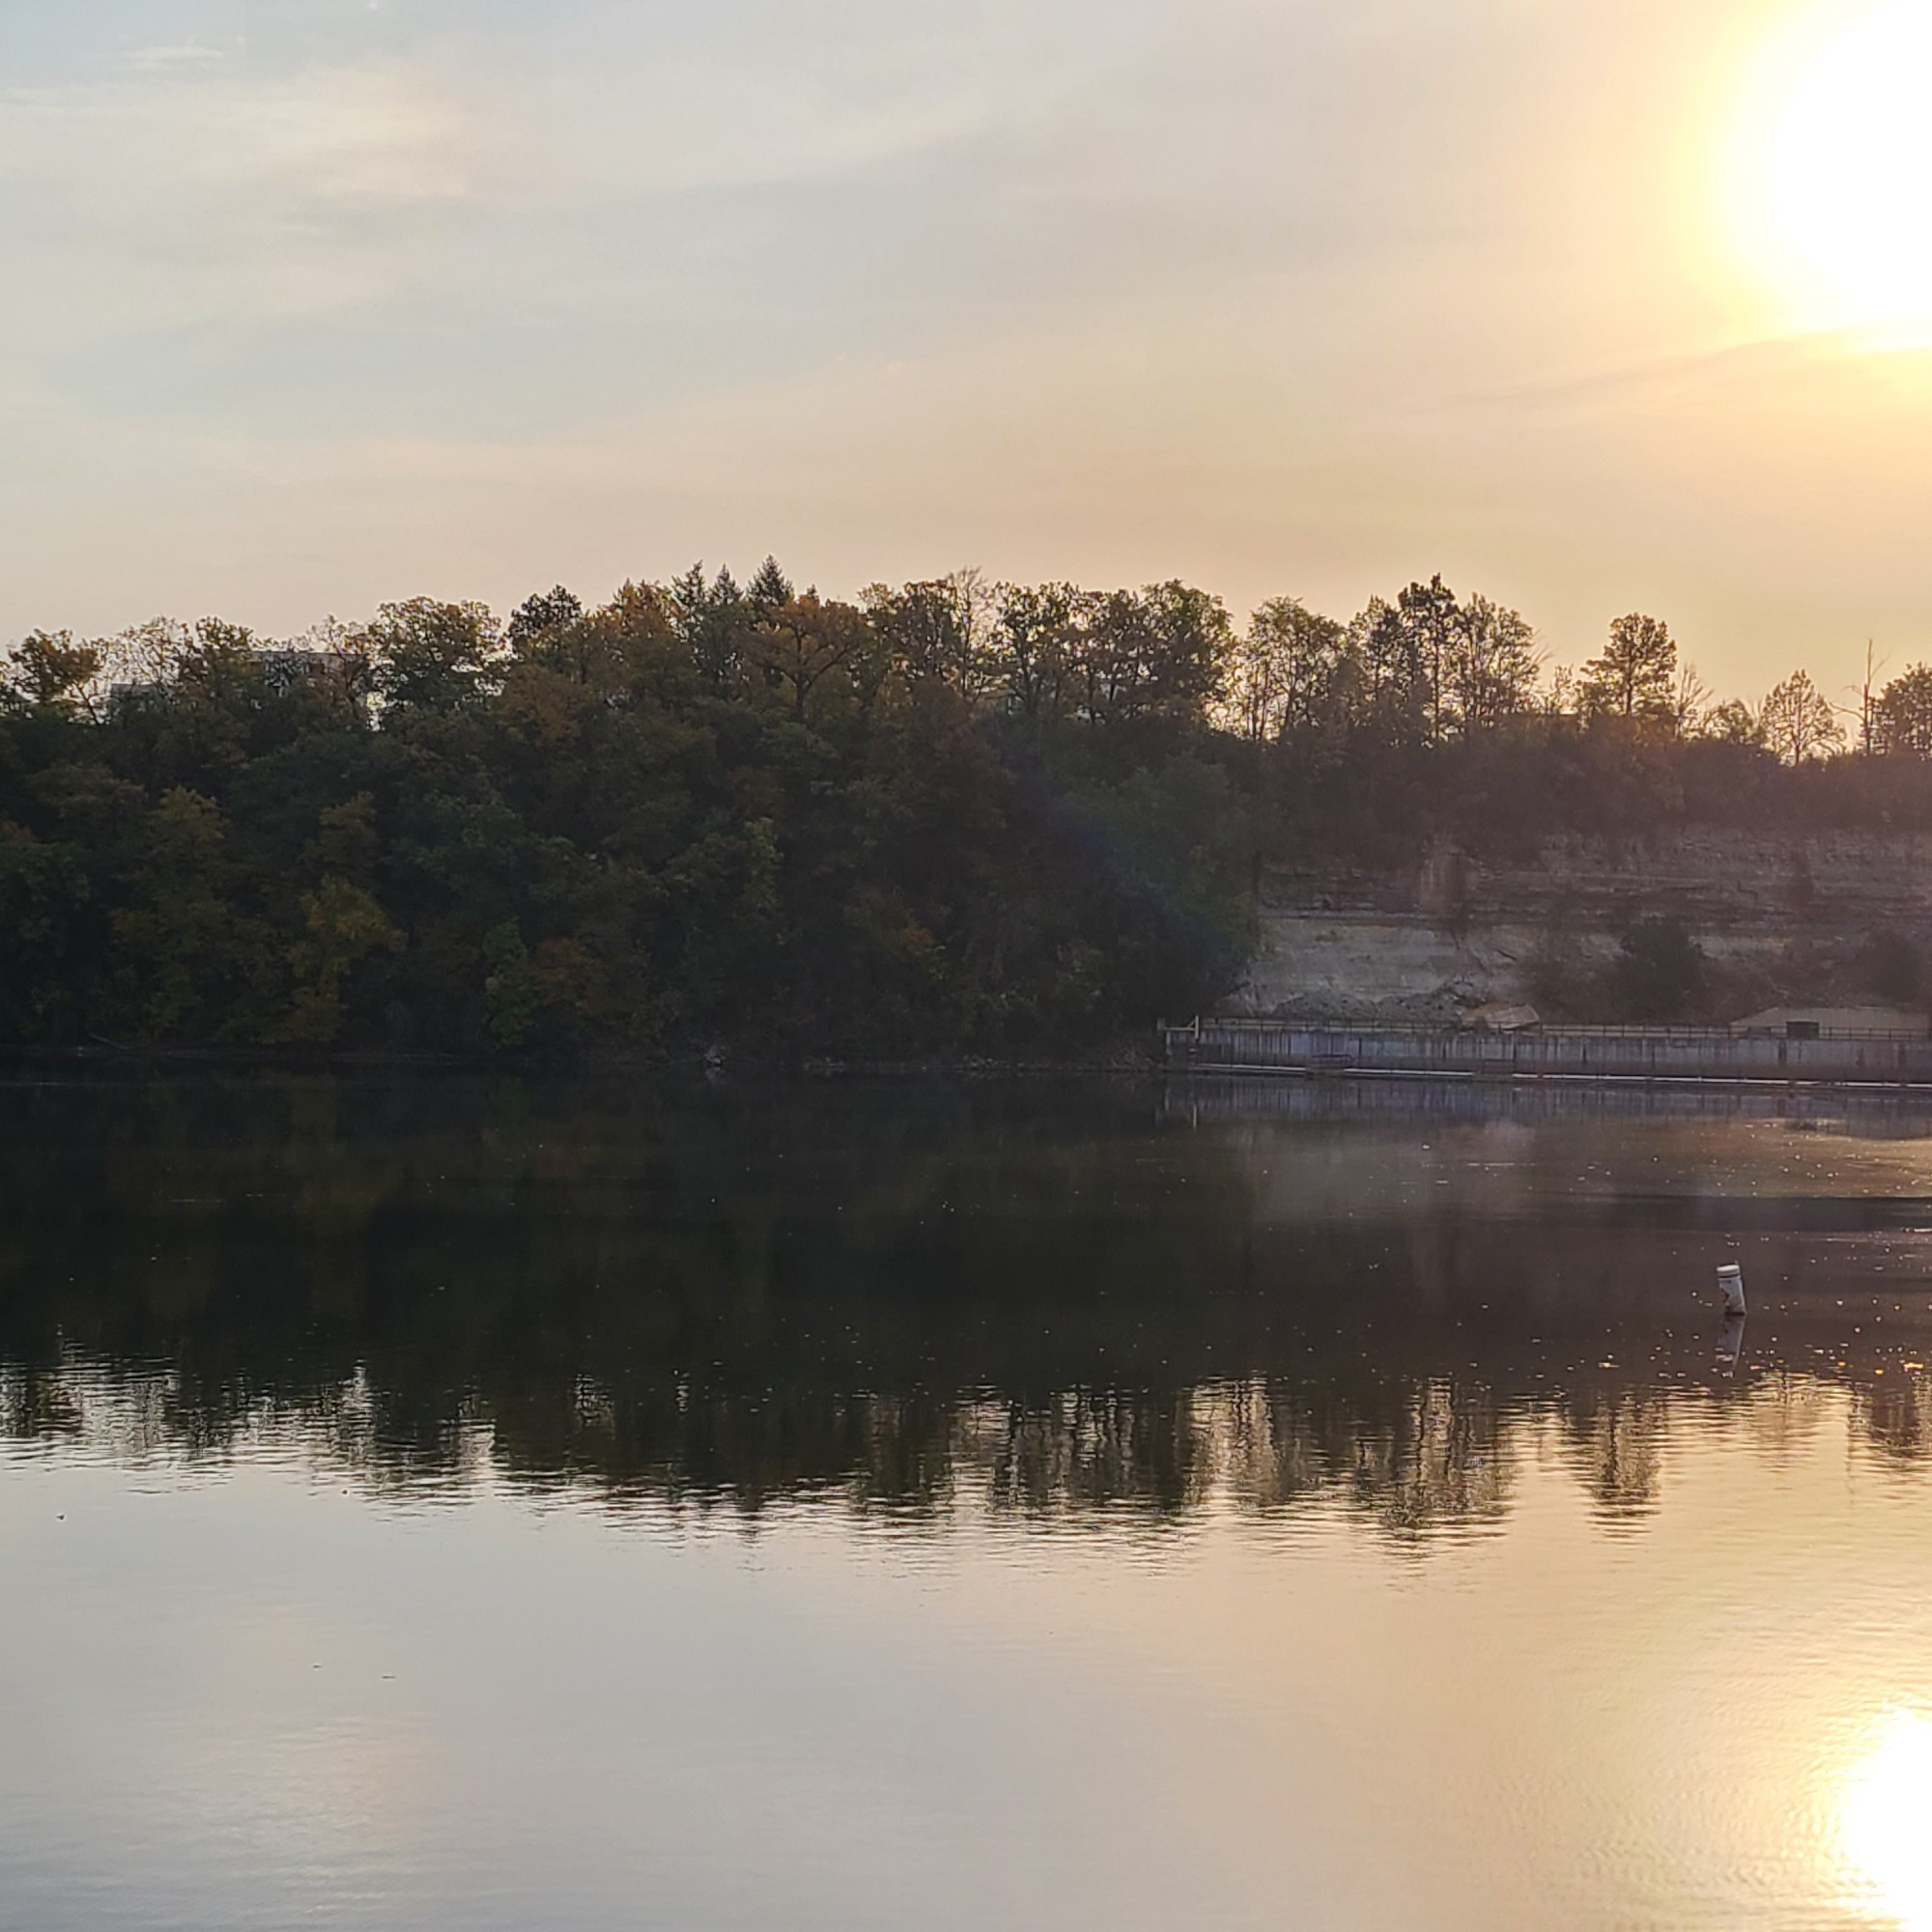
point(1732, 1344)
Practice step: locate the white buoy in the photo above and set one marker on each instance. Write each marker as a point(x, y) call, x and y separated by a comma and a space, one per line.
point(1731, 1282)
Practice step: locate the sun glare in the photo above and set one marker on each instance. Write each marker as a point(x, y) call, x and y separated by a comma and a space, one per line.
point(1886, 1822)
point(1833, 178)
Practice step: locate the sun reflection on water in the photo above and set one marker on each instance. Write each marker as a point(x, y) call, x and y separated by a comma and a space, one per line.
point(1885, 1820)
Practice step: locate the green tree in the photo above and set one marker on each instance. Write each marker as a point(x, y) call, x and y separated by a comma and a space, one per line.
point(186, 947)
point(51, 911)
point(1902, 716)
point(1160, 654)
point(712, 621)
point(1733, 723)
point(342, 925)
point(512, 993)
point(1637, 674)
point(1798, 723)
point(1398, 699)
point(1690, 702)
point(1433, 624)
point(1491, 665)
point(1287, 671)
point(430, 656)
point(769, 591)
point(1039, 646)
point(803, 643)
point(542, 616)
point(941, 630)
point(49, 668)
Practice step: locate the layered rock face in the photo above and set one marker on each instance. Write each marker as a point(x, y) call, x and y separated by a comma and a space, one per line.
point(1837, 916)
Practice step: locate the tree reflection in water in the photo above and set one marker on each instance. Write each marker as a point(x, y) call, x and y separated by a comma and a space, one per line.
point(1046, 1304)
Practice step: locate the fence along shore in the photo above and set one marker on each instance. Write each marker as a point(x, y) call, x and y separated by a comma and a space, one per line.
point(1611, 1053)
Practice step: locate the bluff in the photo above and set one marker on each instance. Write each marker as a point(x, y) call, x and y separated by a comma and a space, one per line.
point(1835, 915)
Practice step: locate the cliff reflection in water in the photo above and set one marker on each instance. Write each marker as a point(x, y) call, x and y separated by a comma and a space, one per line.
point(1103, 1306)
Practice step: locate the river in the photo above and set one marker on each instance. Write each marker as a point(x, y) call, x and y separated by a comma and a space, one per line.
point(456, 1502)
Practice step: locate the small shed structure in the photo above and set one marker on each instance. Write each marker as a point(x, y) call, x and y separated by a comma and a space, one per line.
point(1823, 1022)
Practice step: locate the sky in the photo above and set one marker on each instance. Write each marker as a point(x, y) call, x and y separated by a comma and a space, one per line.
point(315, 303)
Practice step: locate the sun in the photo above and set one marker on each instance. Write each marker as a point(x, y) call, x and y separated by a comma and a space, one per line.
point(1831, 173)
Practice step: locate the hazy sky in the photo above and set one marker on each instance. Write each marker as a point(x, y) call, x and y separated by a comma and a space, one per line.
point(316, 302)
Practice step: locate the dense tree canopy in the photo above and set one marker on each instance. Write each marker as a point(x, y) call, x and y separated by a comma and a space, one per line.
point(954, 816)
point(694, 815)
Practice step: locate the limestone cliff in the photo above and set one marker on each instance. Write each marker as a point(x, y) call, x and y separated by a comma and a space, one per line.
point(1834, 915)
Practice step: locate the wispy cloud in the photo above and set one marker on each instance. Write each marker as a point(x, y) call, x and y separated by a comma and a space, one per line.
point(171, 59)
point(189, 186)
point(193, 125)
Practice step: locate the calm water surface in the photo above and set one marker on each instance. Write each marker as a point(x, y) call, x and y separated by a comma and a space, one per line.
point(482, 1504)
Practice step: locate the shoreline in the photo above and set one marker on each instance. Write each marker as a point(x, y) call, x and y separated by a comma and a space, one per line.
point(1115, 1062)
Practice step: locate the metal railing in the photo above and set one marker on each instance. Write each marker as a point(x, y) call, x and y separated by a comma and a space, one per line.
point(1614, 1053)
point(1544, 1029)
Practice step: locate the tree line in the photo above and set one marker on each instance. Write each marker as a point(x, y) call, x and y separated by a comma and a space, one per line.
point(1429, 668)
point(1431, 718)
point(950, 815)
point(698, 816)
